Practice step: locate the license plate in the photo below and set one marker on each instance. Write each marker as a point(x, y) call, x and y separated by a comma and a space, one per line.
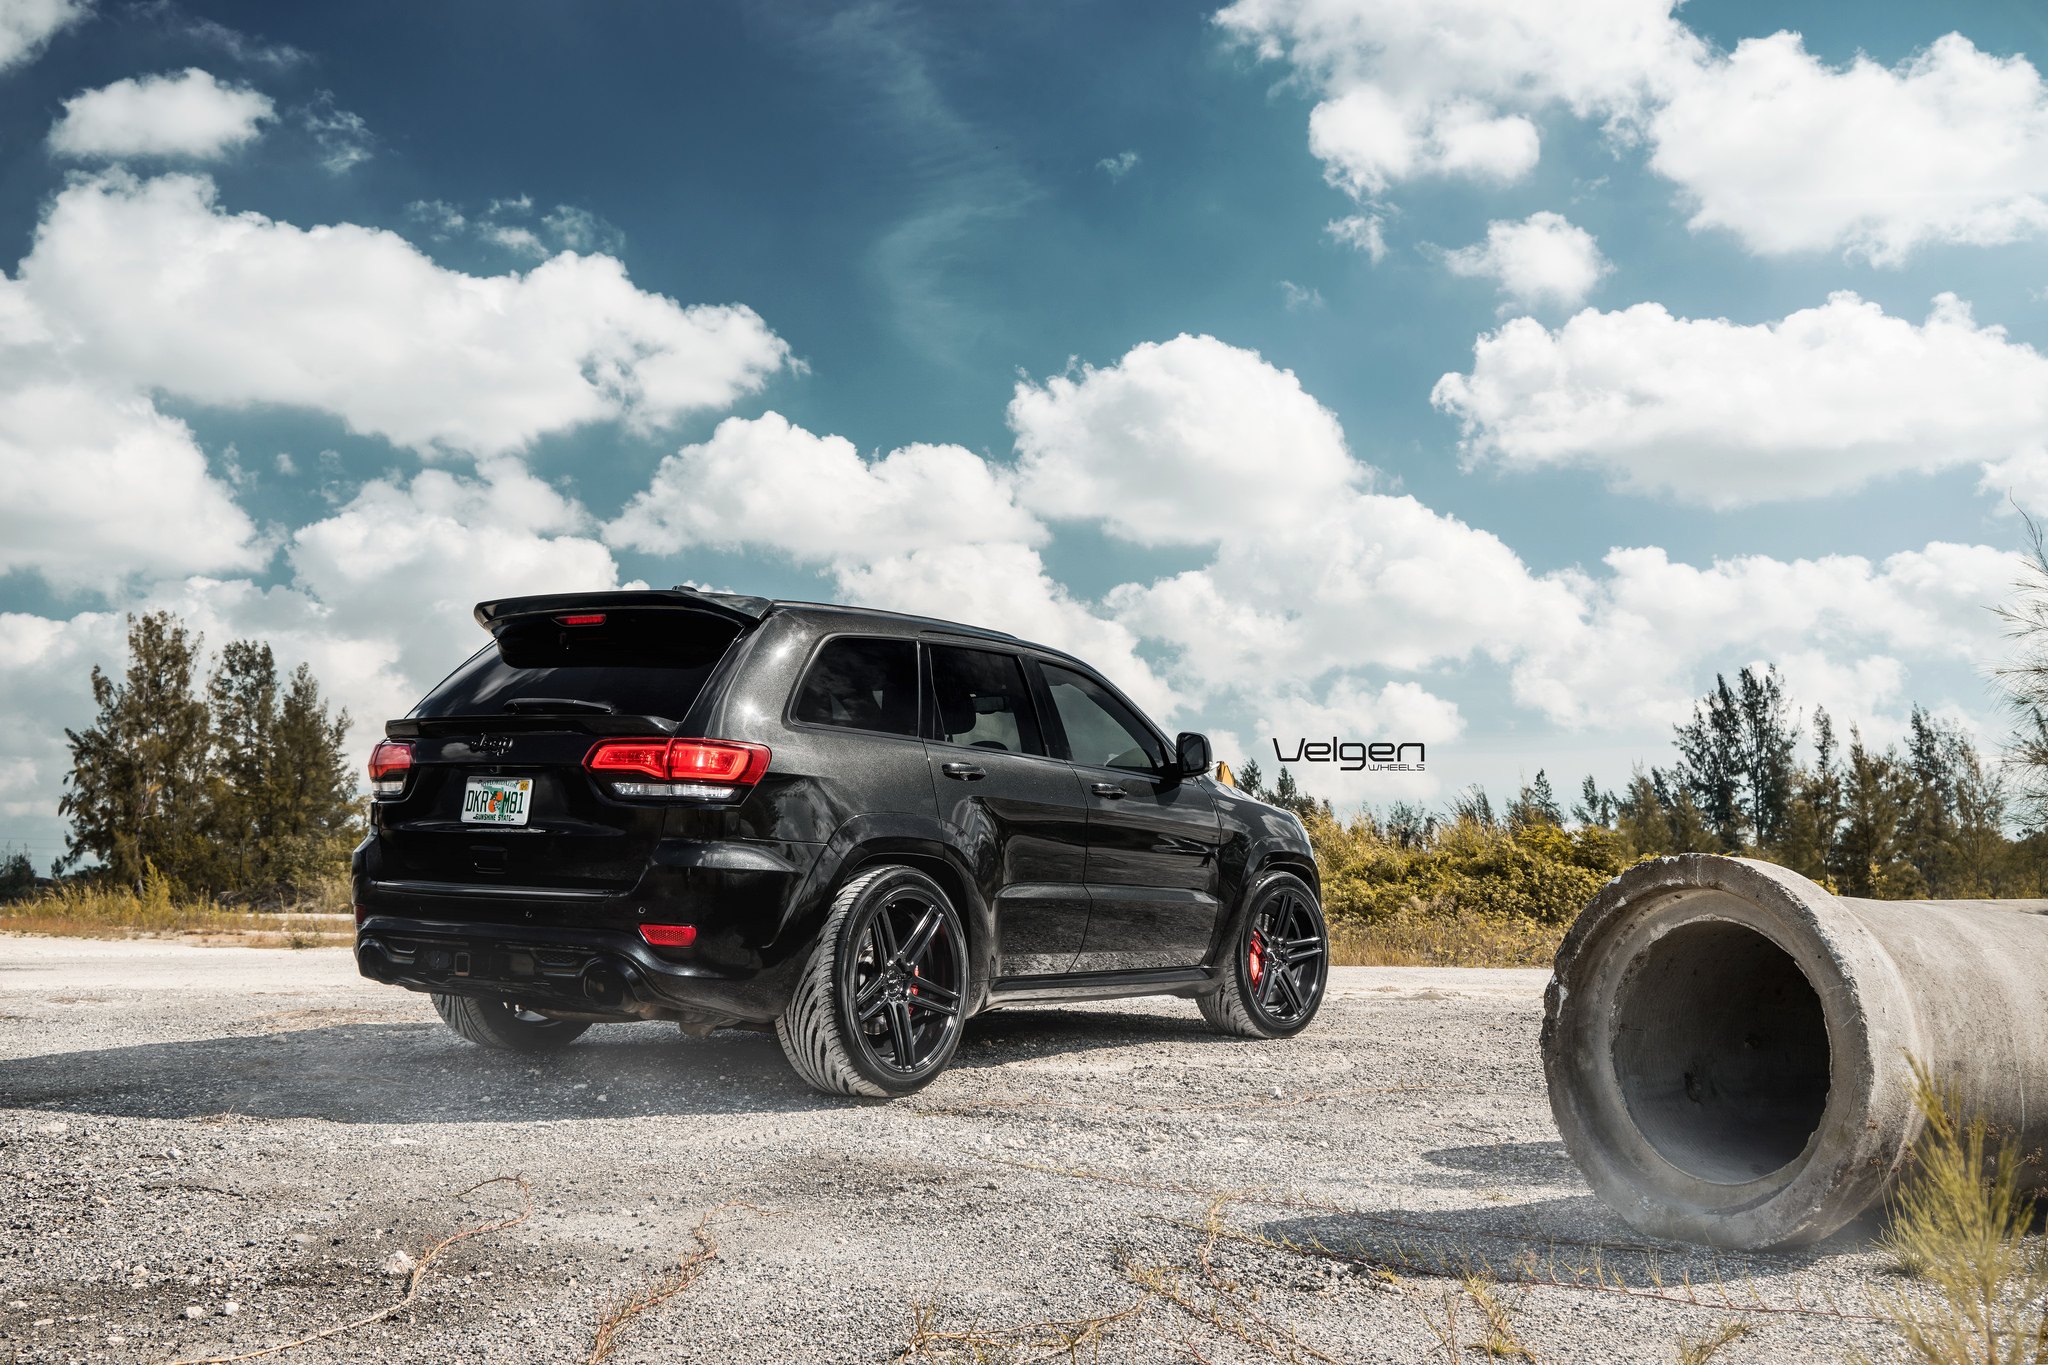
point(497, 800)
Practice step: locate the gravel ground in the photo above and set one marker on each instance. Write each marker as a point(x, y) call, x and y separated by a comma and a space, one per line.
point(211, 1151)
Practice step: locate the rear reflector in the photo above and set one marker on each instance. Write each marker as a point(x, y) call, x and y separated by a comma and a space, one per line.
point(390, 762)
point(588, 619)
point(693, 766)
point(669, 935)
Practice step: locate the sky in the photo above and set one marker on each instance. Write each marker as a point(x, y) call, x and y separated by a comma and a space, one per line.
point(1473, 373)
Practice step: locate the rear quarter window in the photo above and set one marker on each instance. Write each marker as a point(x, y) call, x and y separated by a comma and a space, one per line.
point(642, 663)
point(861, 684)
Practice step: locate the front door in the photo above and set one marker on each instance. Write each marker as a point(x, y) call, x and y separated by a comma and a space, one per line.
point(1018, 811)
point(1153, 836)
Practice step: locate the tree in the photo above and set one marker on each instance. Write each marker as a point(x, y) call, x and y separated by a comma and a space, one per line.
point(1769, 736)
point(246, 794)
point(1595, 808)
point(1870, 854)
point(1711, 763)
point(136, 796)
point(17, 876)
point(1535, 804)
point(1813, 817)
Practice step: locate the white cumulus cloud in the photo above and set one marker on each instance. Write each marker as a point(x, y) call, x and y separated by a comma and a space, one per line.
point(1723, 413)
point(1791, 154)
point(764, 482)
point(1180, 442)
point(189, 114)
point(1451, 88)
point(1542, 261)
point(151, 280)
point(25, 25)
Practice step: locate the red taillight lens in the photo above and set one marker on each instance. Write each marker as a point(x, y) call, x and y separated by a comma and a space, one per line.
point(390, 762)
point(679, 767)
point(669, 935)
point(586, 619)
point(362, 913)
point(649, 756)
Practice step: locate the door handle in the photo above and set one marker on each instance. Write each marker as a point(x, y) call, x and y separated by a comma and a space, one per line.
point(1109, 791)
point(966, 772)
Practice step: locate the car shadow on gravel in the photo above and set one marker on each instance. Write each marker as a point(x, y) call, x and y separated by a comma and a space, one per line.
point(1008, 1035)
point(415, 1073)
point(1507, 1163)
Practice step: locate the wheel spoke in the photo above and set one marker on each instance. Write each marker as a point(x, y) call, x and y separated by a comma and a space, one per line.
point(885, 939)
point(921, 1001)
point(1267, 981)
point(1289, 989)
point(870, 1002)
point(920, 939)
point(900, 1035)
point(924, 986)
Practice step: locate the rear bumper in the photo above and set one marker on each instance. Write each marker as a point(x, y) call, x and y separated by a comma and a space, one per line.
point(591, 971)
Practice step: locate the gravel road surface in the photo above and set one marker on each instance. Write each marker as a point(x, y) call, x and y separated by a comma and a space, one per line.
point(210, 1151)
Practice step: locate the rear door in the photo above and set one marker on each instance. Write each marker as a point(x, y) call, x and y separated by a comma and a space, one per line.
point(498, 795)
point(1018, 810)
point(1153, 837)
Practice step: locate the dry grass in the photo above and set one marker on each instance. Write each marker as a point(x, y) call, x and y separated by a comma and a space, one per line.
point(1698, 1350)
point(1960, 1223)
point(1444, 940)
point(618, 1315)
point(88, 911)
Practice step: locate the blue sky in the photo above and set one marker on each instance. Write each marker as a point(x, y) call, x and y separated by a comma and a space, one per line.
point(1085, 268)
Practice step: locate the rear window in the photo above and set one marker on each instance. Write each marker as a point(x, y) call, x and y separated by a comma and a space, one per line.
point(860, 684)
point(641, 663)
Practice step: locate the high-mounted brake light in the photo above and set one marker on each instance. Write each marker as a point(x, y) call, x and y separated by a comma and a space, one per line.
point(669, 935)
point(715, 769)
point(390, 763)
point(595, 618)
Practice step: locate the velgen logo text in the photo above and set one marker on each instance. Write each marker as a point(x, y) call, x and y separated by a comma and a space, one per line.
point(1353, 755)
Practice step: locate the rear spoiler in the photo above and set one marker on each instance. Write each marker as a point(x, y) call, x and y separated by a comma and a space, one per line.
point(740, 610)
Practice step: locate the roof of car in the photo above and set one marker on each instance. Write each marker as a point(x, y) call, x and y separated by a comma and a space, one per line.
point(739, 605)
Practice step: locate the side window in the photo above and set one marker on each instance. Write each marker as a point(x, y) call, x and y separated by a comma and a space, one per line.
point(982, 700)
point(862, 685)
point(1101, 731)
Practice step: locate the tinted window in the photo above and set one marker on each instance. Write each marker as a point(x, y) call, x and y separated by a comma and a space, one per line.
point(981, 700)
point(641, 663)
point(1101, 731)
point(862, 685)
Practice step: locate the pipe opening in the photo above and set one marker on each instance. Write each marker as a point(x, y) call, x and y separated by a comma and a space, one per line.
point(1721, 1052)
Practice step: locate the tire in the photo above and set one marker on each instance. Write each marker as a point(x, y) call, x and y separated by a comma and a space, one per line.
point(1277, 965)
point(503, 1027)
point(868, 961)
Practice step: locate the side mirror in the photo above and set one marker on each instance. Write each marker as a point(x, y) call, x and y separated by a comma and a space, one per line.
point(1193, 749)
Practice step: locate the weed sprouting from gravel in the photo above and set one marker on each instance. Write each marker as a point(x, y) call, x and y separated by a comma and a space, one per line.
point(1960, 1222)
point(414, 1279)
point(1699, 1350)
point(1021, 1345)
point(618, 1315)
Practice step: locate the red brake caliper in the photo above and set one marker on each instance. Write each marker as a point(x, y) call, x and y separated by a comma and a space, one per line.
point(1256, 957)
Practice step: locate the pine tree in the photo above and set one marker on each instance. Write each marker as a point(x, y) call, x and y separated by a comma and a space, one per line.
point(1769, 737)
point(1870, 855)
point(1639, 817)
point(1929, 824)
point(17, 875)
point(1595, 808)
point(312, 815)
point(243, 700)
point(1711, 763)
point(1535, 804)
point(136, 796)
point(1814, 815)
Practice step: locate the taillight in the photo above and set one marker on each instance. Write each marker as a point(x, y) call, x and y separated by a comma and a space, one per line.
point(669, 935)
point(704, 769)
point(390, 763)
point(592, 618)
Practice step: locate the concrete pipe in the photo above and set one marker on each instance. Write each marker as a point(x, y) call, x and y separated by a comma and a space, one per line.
point(1726, 1043)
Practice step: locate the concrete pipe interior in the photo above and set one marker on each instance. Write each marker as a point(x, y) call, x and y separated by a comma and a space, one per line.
point(1721, 1051)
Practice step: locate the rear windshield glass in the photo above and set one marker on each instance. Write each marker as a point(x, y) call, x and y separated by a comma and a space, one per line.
point(640, 663)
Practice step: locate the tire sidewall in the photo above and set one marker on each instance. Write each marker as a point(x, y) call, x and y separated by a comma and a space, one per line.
point(1263, 889)
point(845, 949)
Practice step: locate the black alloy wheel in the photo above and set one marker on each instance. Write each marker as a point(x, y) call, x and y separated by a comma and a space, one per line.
point(1278, 963)
point(880, 1007)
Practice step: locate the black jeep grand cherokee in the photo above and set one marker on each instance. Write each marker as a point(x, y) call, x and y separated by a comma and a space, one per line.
point(859, 826)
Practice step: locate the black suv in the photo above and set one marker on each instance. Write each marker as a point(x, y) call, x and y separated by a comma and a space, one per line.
point(859, 826)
